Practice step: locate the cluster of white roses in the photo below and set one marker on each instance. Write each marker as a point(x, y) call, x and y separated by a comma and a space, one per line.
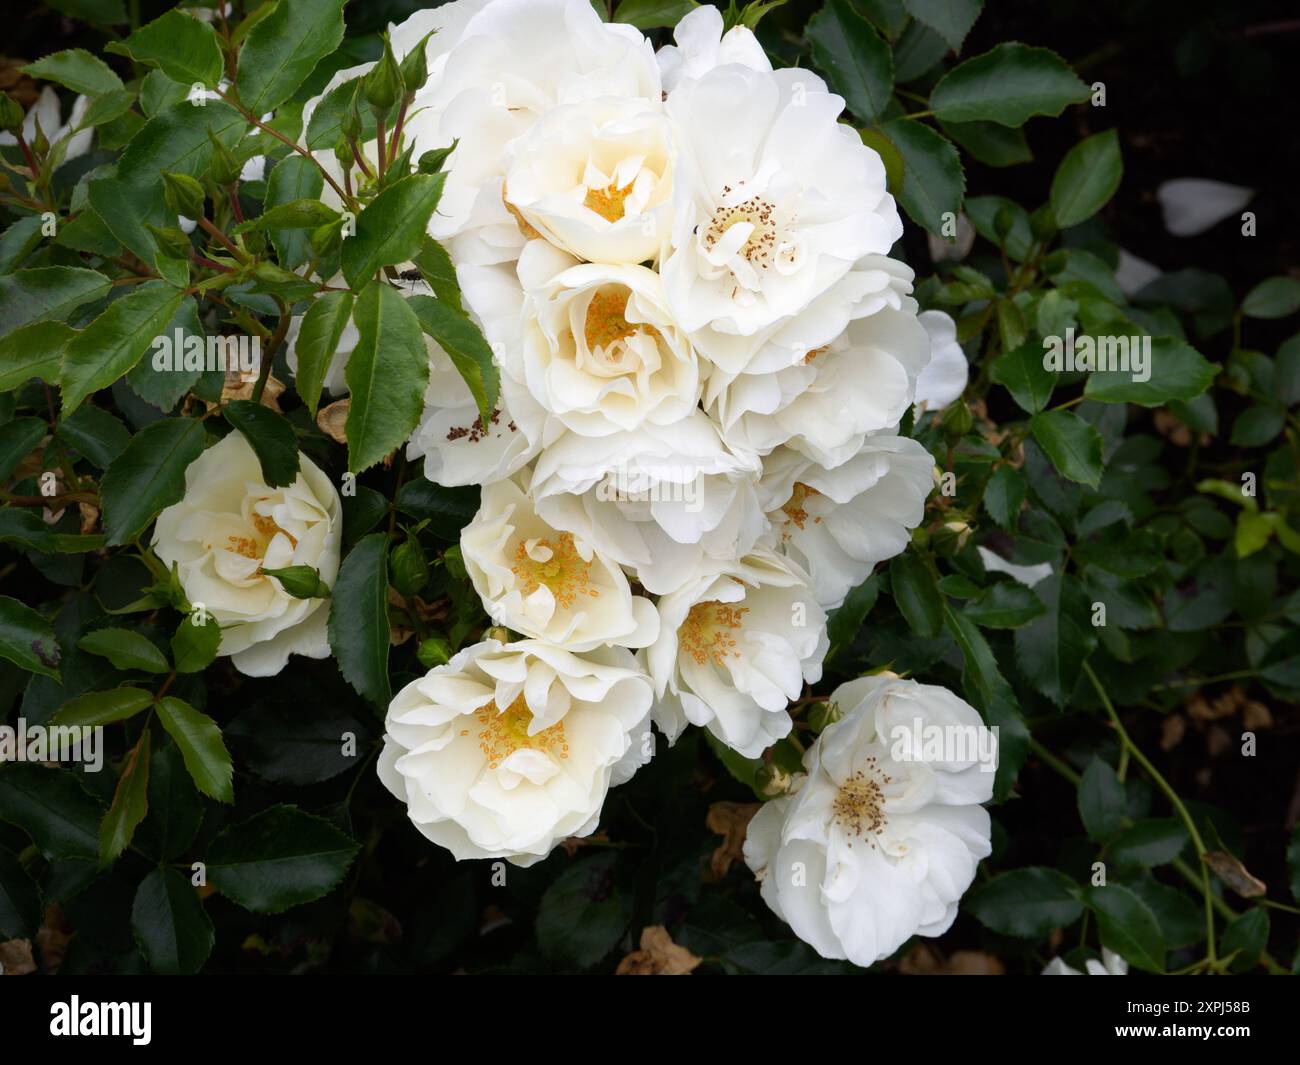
point(680, 261)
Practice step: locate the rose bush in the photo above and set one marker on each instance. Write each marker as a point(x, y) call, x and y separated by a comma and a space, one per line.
point(464, 465)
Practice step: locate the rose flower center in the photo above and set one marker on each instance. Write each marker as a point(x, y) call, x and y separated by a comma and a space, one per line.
point(708, 633)
point(558, 566)
point(501, 733)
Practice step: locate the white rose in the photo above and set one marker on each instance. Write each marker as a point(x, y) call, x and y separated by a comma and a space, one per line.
point(822, 394)
point(508, 749)
point(944, 377)
point(228, 528)
point(595, 178)
point(457, 447)
point(885, 834)
point(661, 500)
point(598, 348)
point(735, 645)
point(546, 584)
point(511, 63)
point(774, 202)
point(838, 523)
point(701, 46)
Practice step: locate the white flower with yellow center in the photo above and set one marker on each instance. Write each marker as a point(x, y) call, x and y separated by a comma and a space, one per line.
point(595, 179)
point(599, 349)
point(885, 834)
point(230, 527)
point(664, 501)
point(838, 523)
point(513, 62)
point(547, 584)
point(510, 748)
point(735, 645)
point(774, 202)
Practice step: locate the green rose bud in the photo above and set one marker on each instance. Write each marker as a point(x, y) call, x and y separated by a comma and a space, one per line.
point(431, 162)
point(415, 67)
point(383, 85)
point(301, 582)
point(408, 567)
point(11, 113)
point(350, 123)
point(957, 419)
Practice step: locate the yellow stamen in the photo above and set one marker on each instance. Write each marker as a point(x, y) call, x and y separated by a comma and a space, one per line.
point(794, 506)
point(527, 230)
point(565, 572)
point(606, 322)
point(501, 733)
point(608, 202)
point(706, 634)
point(858, 804)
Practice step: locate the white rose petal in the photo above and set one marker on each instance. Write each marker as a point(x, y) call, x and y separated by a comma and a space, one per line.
point(840, 372)
point(508, 749)
point(457, 447)
point(1111, 964)
point(661, 500)
point(595, 178)
point(701, 46)
point(514, 61)
point(838, 523)
point(599, 349)
point(884, 836)
point(546, 584)
point(774, 202)
point(735, 646)
point(1193, 205)
point(944, 377)
point(228, 528)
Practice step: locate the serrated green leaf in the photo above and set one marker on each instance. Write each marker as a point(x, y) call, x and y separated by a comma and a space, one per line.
point(1128, 926)
point(392, 228)
point(317, 340)
point(464, 344)
point(1073, 445)
point(358, 622)
point(127, 650)
point(148, 476)
point(1028, 903)
point(280, 858)
point(171, 928)
point(284, 47)
point(857, 63)
point(130, 803)
point(1086, 179)
point(271, 437)
point(1008, 85)
point(386, 374)
point(201, 745)
point(27, 639)
point(115, 341)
